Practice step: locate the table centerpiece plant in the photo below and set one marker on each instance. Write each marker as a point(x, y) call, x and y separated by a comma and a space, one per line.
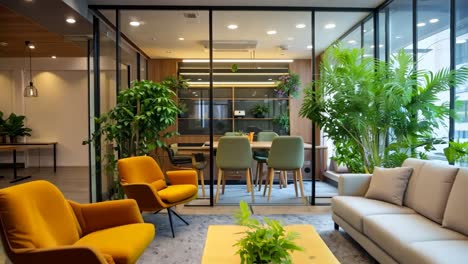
point(14, 127)
point(266, 242)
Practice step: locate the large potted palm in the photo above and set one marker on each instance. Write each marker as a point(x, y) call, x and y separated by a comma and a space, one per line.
point(382, 111)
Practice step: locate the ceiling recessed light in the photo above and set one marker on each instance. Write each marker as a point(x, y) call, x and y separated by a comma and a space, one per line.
point(232, 26)
point(351, 41)
point(3, 44)
point(422, 24)
point(434, 20)
point(199, 79)
point(31, 46)
point(181, 39)
point(53, 57)
point(309, 46)
point(461, 41)
point(330, 26)
point(271, 32)
point(135, 23)
point(270, 79)
point(300, 26)
point(70, 20)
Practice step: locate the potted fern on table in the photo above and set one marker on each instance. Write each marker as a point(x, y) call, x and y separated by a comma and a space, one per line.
point(266, 242)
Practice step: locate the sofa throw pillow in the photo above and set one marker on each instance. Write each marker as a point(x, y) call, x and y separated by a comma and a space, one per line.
point(389, 185)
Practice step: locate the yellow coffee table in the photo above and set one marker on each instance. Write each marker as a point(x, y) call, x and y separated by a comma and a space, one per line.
point(221, 238)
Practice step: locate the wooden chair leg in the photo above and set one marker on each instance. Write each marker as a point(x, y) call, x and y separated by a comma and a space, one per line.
point(285, 179)
point(202, 181)
point(295, 181)
point(271, 174)
point(249, 184)
point(220, 174)
point(301, 186)
point(260, 176)
point(224, 182)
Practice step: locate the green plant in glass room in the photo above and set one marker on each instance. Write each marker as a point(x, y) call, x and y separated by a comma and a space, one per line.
point(283, 121)
point(260, 110)
point(266, 242)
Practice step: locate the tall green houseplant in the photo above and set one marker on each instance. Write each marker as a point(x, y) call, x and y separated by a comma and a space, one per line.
point(138, 123)
point(384, 111)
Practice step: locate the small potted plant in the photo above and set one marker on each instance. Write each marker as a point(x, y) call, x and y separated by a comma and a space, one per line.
point(3, 133)
point(266, 242)
point(288, 85)
point(14, 127)
point(260, 110)
point(282, 121)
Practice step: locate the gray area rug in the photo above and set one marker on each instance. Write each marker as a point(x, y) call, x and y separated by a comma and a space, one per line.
point(187, 246)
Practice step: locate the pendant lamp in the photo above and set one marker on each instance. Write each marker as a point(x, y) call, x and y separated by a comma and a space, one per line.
point(30, 90)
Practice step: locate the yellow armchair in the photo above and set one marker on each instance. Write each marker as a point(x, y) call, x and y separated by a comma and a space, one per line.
point(38, 225)
point(143, 180)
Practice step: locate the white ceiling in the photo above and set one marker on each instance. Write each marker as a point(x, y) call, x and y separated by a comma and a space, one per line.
point(158, 34)
point(314, 3)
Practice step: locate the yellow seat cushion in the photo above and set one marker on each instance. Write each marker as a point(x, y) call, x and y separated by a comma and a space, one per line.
point(124, 243)
point(177, 193)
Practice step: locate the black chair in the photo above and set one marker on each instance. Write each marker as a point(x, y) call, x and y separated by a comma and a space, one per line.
point(177, 161)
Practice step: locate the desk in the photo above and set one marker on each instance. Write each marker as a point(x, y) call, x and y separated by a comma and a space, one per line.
point(28, 144)
point(221, 238)
point(15, 170)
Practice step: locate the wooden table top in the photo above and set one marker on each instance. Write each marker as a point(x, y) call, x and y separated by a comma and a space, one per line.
point(7, 147)
point(254, 145)
point(34, 143)
point(221, 238)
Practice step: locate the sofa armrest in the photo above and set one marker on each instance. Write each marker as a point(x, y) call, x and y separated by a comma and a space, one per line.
point(182, 177)
point(97, 216)
point(353, 184)
point(61, 254)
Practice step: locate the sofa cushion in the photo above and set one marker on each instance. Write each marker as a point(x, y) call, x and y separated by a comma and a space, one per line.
point(436, 252)
point(394, 232)
point(456, 215)
point(429, 188)
point(389, 185)
point(124, 243)
point(353, 208)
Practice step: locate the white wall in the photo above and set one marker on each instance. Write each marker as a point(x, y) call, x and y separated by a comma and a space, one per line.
point(60, 113)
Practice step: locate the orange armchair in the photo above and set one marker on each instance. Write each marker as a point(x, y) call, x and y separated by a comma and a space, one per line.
point(143, 180)
point(38, 225)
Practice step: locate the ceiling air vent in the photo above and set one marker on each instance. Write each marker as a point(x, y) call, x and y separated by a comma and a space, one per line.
point(231, 45)
point(192, 17)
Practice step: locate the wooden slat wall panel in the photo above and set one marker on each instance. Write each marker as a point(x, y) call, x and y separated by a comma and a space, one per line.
point(16, 29)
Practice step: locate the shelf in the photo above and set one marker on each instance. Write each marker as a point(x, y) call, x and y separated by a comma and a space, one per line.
point(253, 118)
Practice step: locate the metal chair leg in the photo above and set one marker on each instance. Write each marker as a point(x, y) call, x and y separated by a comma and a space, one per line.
point(170, 221)
point(178, 216)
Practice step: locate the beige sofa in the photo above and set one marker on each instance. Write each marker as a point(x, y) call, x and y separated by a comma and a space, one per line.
point(430, 227)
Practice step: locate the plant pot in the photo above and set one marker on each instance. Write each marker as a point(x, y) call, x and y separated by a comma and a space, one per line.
point(13, 139)
point(259, 115)
point(3, 139)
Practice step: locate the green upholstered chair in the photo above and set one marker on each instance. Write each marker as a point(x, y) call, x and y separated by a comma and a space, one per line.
point(286, 154)
point(233, 153)
point(261, 156)
point(199, 163)
point(231, 134)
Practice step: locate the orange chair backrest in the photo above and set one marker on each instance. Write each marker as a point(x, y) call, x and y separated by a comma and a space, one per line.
point(142, 169)
point(36, 215)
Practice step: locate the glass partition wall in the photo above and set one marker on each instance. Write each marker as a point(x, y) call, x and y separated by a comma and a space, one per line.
point(209, 47)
